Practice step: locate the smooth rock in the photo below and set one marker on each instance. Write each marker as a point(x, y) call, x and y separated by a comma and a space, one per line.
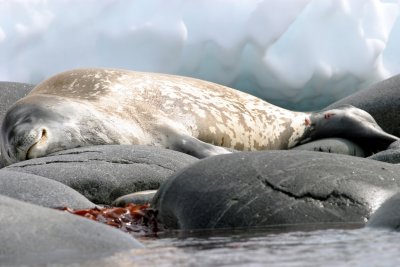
point(41, 191)
point(394, 145)
point(388, 215)
point(104, 173)
point(389, 156)
point(142, 197)
point(10, 92)
point(35, 236)
point(275, 188)
point(381, 100)
point(333, 145)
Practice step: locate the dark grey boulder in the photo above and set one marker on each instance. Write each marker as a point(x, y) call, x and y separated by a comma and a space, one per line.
point(333, 145)
point(41, 191)
point(388, 215)
point(394, 145)
point(275, 188)
point(143, 197)
point(104, 173)
point(381, 100)
point(34, 236)
point(10, 92)
point(389, 156)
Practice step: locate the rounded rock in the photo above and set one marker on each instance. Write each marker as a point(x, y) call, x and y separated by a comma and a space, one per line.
point(36, 236)
point(104, 173)
point(41, 191)
point(388, 215)
point(10, 92)
point(275, 188)
point(333, 145)
point(142, 197)
point(389, 156)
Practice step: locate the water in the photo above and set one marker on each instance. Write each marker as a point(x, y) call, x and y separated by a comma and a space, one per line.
point(294, 246)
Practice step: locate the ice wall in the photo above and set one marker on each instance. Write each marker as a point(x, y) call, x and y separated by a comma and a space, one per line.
point(300, 54)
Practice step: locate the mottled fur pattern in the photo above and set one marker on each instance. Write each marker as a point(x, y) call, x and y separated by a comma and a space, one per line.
point(108, 106)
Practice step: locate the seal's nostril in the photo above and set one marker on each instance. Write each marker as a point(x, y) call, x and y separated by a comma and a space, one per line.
point(43, 138)
point(40, 140)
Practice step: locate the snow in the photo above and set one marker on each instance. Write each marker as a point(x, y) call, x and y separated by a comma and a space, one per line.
point(300, 54)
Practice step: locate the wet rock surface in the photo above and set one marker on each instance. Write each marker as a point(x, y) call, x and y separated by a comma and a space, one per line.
point(41, 191)
point(142, 197)
point(388, 215)
point(389, 156)
point(32, 236)
point(104, 173)
point(333, 145)
point(274, 188)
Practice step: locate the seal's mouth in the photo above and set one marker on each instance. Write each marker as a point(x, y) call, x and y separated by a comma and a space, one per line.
point(30, 153)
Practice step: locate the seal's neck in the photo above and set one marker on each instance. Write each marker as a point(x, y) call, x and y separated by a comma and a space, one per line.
point(302, 127)
point(345, 122)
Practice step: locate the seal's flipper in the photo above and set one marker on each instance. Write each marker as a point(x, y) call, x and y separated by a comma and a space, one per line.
point(193, 146)
point(351, 123)
point(179, 140)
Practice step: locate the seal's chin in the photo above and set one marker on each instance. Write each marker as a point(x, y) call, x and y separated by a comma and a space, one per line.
point(38, 148)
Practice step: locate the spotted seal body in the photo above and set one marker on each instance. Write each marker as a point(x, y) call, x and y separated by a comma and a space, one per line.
point(107, 106)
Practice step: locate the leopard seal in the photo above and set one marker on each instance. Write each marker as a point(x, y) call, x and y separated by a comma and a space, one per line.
point(97, 106)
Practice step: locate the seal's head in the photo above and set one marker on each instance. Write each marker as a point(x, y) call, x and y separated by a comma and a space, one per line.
point(30, 130)
point(40, 125)
point(351, 123)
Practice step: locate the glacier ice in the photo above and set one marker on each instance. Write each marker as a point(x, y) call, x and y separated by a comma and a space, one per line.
point(300, 54)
